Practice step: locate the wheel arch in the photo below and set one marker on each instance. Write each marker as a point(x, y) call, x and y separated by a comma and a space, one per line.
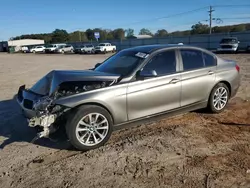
point(224, 82)
point(227, 84)
point(96, 104)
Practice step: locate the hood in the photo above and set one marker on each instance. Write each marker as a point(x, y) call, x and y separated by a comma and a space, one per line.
point(50, 82)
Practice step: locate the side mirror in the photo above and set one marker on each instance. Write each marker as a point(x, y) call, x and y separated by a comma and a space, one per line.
point(147, 74)
point(97, 65)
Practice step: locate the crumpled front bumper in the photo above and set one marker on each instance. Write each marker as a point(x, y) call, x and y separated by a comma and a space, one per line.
point(26, 100)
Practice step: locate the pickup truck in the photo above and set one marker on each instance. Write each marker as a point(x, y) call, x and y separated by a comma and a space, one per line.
point(52, 48)
point(229, 44)
point(105, 48)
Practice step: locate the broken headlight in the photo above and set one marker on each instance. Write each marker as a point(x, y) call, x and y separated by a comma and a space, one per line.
point(42, 104)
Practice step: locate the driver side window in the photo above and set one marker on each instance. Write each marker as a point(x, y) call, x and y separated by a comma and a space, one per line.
point(163, 63)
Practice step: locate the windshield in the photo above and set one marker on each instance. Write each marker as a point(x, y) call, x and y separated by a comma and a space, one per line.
point(122, 63)
point(101, 44)
point(229, 40)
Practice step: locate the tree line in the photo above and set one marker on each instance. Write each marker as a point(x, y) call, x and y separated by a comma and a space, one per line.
point(61, 35)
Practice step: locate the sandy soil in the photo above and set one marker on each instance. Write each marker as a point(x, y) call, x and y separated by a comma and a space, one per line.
point(191, 150)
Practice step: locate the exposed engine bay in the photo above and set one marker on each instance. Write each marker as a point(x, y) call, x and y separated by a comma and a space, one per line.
point(47, 111)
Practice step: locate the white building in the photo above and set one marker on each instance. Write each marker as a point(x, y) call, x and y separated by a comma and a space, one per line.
point(25, 42)
point(18, 44)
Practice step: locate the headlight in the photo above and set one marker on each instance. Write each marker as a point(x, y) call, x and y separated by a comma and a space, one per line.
point(42, 103)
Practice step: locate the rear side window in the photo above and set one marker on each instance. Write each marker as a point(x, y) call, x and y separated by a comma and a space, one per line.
point(192, 59)
point(209, 60)
point(163, 63)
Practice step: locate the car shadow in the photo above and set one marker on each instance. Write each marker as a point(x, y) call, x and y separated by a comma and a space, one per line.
point(14, 128)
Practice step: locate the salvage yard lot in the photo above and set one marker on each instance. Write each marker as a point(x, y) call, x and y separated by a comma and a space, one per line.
point(191, 150)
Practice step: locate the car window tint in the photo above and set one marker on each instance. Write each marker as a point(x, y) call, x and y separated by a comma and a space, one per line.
point(163, 63)
point(192, 59)
point(209, 60)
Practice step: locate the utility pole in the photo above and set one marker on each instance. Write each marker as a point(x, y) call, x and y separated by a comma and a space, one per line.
point(210, 19)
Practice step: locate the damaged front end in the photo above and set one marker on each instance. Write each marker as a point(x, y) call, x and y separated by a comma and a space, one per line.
point(43, 110)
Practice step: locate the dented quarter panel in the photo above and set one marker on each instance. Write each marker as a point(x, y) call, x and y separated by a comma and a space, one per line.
point(226, 71)
point(113, 98)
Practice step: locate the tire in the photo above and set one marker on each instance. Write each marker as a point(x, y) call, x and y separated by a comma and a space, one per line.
point(105, 51)
point(62, 51)
point(33, 51)
point(212, 105)
point(92, 133)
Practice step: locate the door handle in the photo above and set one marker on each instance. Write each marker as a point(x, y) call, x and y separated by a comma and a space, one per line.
point(210, 72)
point(174, 81)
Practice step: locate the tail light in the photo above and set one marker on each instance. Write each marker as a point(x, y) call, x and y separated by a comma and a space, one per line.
point(237, 68)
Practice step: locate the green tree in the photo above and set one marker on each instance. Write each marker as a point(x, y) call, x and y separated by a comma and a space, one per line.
point(110, 35)
point(161, 33)
point(90, 34)
point(238, 28)
point(200, 28)
point(60, 35)
point(119, 33)
point(129, 32)
point(78, 36)
point(145, 31)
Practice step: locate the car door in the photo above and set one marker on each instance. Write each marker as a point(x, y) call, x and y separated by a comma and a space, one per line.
point(155, 94)
point(198, 75)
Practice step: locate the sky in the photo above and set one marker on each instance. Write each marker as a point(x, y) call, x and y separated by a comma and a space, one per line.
point(19, 17)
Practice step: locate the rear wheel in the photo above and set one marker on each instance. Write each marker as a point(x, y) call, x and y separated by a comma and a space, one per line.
point(218, 98)
point(89, 128)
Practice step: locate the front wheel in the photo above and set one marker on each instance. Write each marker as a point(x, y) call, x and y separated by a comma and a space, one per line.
point(218, 98)
point(89, 128)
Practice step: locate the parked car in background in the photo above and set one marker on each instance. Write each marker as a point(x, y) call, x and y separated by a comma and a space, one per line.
point(248, 48)
point(52, 48)
point(105, 48)
point(229, 44)
point(37, 49)
point(134, 84)
point(87, 48)
point(65, 49)
point(25, 49)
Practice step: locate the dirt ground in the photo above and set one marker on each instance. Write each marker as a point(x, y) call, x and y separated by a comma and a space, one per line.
point(191, 150)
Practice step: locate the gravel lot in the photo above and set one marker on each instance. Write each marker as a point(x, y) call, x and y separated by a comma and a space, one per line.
point(191, 150)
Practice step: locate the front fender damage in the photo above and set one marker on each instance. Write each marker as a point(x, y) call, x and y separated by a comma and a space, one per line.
point(48, 113)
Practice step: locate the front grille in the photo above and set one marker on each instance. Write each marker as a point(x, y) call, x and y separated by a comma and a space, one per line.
point(226, 46)
point(28, 104)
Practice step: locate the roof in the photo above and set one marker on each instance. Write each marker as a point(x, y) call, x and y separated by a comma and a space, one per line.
point(152, 48)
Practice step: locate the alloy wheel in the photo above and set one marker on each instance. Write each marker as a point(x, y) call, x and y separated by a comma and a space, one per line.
point(92, 129)
point(220, 98)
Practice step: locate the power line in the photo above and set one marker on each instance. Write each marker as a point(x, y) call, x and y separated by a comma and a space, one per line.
point(231, 5)
point(235, 18)
point(165, 17)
